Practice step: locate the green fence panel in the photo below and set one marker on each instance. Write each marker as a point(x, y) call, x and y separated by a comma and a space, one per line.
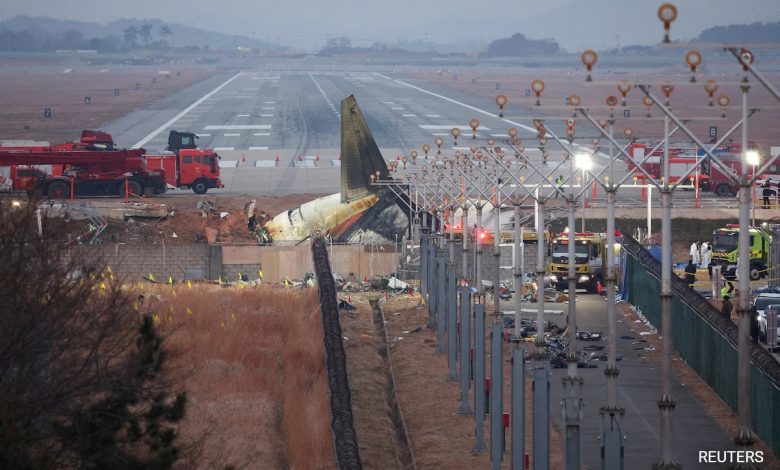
point(706, 341)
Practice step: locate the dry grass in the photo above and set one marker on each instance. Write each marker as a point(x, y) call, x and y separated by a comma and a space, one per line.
point(253, 364)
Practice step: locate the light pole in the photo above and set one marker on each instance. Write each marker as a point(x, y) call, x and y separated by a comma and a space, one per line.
point(753, 159)
point(583, 161)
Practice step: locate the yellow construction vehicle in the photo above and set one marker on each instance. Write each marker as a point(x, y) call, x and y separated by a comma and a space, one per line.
point(590, 256)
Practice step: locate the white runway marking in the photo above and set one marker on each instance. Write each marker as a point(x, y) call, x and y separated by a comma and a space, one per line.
point(333, 108)
point(258, 148)
point(231, 135)
point(397, 108)
point(269, 102)
point(506, 136)
point(265, 78)
point(266, 115)
point(409, 115)
point(186, 110)
point(261, 133)
point(387, 102)
point(383, 76)
point(468, 106)
point(224, 148)
point(268, 107)
point(242, 115)
point(439, 134)
point(260, 127)
point(431, 127)
point(432, 115)
point(203, 135)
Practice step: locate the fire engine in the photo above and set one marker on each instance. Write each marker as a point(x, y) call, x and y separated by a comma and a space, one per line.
point(92, 166)
point(682, 158)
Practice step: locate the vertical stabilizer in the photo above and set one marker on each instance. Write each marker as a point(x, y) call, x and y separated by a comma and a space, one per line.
point(360, 155)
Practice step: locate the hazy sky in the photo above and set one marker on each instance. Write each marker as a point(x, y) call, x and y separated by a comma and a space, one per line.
point(577, 24)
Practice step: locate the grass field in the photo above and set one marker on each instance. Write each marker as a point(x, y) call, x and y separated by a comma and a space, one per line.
point(252, 362)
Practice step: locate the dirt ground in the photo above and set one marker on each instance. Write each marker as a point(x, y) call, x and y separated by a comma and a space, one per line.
point(440, 437)
point(24, 96)
point(185, 223)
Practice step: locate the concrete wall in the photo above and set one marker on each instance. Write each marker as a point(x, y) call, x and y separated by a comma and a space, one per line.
point(177, 261)
point(212, 261)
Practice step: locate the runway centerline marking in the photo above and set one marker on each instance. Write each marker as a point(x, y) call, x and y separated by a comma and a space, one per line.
point(224, 148)
point(186, 110)
point(242, 115)
point(231, 135)
point(261, 133)
point(432, 115)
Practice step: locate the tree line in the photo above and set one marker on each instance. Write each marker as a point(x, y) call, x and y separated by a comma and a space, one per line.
point(37, 40)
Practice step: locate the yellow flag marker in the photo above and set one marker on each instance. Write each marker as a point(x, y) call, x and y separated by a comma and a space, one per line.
point(151, 277)
point(189, 284)
point(233, 316)
point(170, 281)
point(189, 311)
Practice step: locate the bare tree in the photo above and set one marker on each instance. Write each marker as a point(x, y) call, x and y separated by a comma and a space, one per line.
point(82, 373)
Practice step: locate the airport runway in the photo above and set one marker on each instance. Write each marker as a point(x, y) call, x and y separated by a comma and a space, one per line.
point(278, 131)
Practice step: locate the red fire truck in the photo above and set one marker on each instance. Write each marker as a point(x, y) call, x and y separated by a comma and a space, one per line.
point(682, 158)
point(93, 167)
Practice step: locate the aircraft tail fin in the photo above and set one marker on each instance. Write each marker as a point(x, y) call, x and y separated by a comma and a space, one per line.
point(360, 156)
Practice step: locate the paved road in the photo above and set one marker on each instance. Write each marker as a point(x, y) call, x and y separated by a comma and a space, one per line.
point(638, 392)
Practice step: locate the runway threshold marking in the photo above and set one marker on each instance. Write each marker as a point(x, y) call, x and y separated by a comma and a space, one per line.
point(186, 110)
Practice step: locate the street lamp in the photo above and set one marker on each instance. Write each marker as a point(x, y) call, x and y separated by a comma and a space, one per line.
point(584, 161)
point(752, 158)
